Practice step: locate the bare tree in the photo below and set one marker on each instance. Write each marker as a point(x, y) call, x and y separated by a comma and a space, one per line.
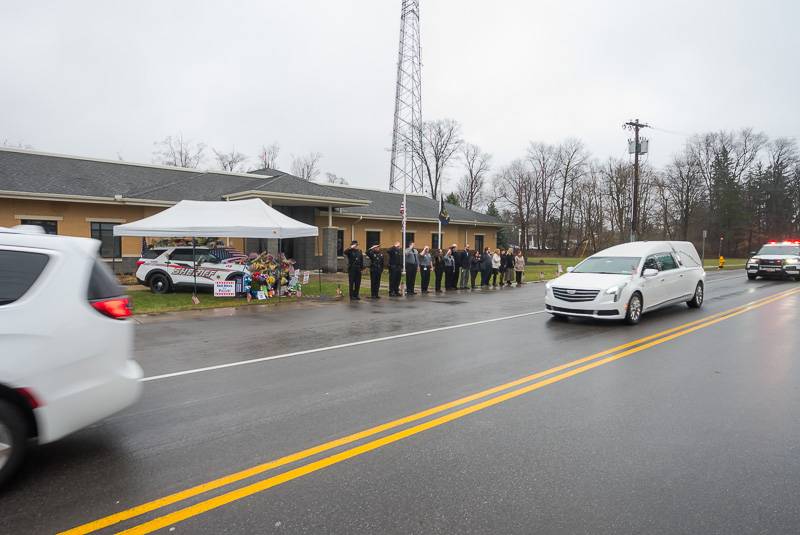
point(435, 144)
point(268, 156)
point(178, 152)
point(514, 186)
point(476, 166)
point(332, 178)
point(684, 185)
point(306, 167)
point(616, 191)
point(589, 202)
point(233, 161)
point(572, 158)
point(543, 160)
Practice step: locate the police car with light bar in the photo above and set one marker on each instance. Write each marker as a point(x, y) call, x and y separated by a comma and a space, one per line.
point(775, 259)
point(173, 268)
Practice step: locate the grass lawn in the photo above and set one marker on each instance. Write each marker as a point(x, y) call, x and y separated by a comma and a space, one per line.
point(146, 302)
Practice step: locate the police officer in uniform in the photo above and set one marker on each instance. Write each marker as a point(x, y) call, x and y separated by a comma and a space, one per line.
point(395, 269)
point(375, 269)
point(355, 263)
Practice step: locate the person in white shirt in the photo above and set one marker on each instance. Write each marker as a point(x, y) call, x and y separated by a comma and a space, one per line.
point(495, 266)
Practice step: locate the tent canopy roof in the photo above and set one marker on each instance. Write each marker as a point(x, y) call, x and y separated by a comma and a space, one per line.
point(250, 218)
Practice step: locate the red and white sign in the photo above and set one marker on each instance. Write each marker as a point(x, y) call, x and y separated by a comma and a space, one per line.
point(224, 288)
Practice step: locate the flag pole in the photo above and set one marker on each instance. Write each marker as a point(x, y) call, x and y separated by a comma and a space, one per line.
point(441, 205)
point(405, 209)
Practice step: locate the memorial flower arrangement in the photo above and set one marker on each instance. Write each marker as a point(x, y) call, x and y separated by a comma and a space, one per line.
point(264, 272)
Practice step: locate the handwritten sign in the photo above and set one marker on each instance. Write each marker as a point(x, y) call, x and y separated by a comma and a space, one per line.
point(224, 288)
point(306, 275)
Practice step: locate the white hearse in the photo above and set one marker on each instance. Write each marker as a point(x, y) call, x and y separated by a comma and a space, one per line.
point(625, 281)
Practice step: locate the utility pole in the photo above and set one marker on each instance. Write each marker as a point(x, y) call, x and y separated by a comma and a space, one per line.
point(636, 148)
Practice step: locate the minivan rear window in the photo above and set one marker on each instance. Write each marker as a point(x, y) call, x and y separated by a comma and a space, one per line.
point(18, 273)
point(102, 283)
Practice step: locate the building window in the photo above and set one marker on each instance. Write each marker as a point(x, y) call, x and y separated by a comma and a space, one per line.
point(109, 245)
point(479, 242)
point(373, 238)
point(340, 243)
point(409, 238)
point(50, 227)
point(435, 240)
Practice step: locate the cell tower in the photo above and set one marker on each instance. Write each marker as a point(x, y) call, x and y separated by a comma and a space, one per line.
point(405, 172)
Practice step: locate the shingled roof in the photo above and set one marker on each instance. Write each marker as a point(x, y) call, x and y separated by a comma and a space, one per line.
point(387, 203)
point(54, 174)
point(38, 174)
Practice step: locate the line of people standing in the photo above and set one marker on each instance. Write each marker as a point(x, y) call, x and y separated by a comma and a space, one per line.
point(451, 269)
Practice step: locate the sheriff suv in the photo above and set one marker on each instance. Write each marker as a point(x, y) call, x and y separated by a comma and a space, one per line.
point(775, 259)
point(172, 268)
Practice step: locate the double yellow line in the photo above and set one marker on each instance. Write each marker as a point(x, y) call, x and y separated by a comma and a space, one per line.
point(530, 382)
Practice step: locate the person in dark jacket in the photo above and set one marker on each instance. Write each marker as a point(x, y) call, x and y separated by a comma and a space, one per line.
point(355, 263)
point(412, 265)
point(486, 266)
point(456, 267)
point(375, 270)
point(395, 269)
point(465, 263)
point(449, 262)
point(475, 265)
point(509, 266)
point(438, 270)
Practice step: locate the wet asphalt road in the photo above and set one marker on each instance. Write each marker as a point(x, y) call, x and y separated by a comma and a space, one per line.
point(696, 434)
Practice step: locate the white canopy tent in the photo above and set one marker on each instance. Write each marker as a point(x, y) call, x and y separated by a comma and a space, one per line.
point(251, 218)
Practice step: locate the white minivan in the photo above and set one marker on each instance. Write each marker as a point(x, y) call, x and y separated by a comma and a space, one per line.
point(625, 281)
point(65, 341)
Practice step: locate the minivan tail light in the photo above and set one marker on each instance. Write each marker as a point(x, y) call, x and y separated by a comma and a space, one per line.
point(140, 262)
point(32, 401)
point(116, 307)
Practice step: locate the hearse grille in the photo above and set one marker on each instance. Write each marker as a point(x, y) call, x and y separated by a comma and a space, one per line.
point(574, 295)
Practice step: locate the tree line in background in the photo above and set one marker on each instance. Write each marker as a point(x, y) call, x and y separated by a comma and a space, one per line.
point(740, 186)
point(178, 151)
point(558, 199)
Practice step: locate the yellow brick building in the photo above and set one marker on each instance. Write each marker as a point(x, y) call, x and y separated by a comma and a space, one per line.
point(78, 196)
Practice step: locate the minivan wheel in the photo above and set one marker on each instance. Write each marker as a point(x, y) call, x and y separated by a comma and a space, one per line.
point(13, 440)
point(697, 300)
point(159, 284)
point(634, 312)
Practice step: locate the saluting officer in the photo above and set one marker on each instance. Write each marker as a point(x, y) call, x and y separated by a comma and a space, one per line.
point(395, 269)
point(355, 263)
point(375, 269)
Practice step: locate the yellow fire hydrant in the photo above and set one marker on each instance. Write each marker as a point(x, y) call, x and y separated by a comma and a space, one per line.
point(721, 262)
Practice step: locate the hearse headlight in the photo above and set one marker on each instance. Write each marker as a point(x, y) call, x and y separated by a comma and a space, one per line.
point(616, 291)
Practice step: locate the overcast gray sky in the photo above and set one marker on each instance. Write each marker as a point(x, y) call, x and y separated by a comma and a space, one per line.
point(98, 78)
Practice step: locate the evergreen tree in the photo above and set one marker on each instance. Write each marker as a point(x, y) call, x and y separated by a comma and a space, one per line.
point(452, 198)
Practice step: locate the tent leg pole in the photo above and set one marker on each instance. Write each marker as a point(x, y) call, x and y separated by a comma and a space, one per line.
point(194, 268)
point(280, 271)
